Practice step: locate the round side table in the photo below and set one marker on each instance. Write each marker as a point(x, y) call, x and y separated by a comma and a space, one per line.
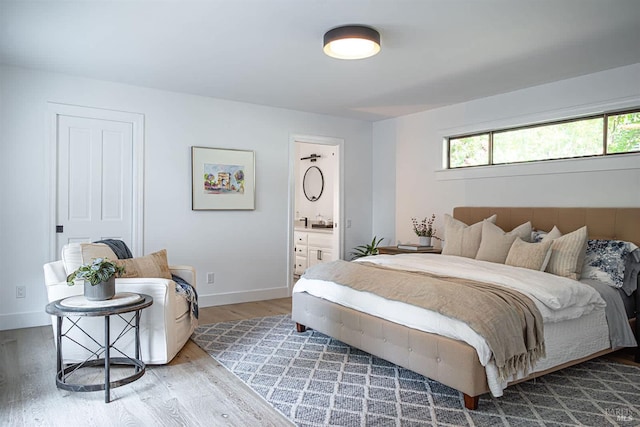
point(80, 307)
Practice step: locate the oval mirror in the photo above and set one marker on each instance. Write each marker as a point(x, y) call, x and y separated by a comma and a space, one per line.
point(313, 183)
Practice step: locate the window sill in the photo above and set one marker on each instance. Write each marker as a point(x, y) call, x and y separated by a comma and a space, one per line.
point(589, 164)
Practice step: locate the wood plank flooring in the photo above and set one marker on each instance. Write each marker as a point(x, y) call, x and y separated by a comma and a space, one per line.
point(192, 390)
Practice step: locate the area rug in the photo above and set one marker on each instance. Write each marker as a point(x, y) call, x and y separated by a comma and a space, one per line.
point(315, 380)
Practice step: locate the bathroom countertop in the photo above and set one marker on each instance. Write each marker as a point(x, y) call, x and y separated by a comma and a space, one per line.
point(315, 230)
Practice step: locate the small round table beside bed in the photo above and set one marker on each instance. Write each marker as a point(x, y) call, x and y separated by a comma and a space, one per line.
point(79, 306)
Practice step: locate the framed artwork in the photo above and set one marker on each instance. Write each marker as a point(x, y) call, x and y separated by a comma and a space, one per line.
point(222, 179)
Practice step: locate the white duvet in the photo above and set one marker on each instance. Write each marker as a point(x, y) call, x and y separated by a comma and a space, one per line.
point(557, 298)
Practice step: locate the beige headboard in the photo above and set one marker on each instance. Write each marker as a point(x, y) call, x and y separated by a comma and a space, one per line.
point(602, 223)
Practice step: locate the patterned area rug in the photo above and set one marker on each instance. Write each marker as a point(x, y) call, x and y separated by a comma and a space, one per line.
point(315, 380)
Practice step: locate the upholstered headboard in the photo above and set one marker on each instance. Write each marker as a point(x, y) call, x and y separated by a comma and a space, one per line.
point(602, 223)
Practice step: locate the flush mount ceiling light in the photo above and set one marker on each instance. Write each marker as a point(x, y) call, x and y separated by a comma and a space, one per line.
point(352, 42)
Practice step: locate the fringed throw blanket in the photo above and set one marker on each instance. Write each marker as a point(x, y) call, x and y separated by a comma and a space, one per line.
point(508, 320)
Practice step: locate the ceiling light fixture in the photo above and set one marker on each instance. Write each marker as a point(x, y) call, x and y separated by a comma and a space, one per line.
point(352, 42)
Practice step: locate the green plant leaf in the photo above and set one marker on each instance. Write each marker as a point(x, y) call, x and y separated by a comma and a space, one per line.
point(366, 250)
point(98, 270)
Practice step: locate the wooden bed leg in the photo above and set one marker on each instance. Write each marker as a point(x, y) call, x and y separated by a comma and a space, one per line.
point(300, 328)
point(471, 402)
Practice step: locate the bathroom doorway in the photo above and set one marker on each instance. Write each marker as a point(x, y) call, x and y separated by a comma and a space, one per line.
point(315, 202)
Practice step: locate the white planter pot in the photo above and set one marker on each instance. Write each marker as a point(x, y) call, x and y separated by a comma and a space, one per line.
point(424, 241)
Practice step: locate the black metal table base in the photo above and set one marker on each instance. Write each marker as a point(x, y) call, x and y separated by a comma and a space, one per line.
point(64, 371)
point(114, 361)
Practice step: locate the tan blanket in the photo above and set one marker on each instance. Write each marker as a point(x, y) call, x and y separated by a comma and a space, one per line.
point(508, 320)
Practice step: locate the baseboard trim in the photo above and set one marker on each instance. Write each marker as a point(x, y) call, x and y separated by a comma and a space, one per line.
point(240, 297)
point(24, 320)
point(36, 318)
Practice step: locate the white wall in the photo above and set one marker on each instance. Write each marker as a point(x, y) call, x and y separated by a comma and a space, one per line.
point(383, 181)
point(421, 188)
point(247, 250)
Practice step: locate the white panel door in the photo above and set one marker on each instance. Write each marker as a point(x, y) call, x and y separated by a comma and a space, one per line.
point(94, 180)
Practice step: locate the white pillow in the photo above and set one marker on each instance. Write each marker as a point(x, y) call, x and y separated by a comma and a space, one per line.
point(461, 239)
point(567, 253)
point(495, 243)
point(76, 254)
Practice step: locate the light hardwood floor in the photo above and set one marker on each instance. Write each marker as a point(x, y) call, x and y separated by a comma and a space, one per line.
point(192, 390)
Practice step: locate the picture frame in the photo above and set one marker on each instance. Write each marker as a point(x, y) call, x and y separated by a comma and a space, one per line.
point(222, 179)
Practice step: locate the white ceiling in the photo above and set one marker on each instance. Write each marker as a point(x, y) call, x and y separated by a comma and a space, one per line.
point(269, 52)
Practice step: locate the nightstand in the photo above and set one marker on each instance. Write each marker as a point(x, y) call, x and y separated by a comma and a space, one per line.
point(393, 250)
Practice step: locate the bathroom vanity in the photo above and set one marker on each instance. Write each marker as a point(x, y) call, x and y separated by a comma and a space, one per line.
point(312, 246)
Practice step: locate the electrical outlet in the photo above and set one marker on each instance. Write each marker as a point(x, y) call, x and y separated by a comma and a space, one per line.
point(21, 291)
point(210, 278)
point(348, 223)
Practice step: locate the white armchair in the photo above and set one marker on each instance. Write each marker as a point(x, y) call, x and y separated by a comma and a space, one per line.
point(165, 326)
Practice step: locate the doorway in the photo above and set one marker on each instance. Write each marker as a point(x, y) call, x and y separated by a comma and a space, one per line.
point(96, 176)
point(315, 202)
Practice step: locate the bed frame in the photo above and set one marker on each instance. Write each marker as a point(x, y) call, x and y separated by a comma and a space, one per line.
point(448, 361)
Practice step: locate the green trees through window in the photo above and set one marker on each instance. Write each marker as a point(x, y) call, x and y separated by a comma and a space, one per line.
point(556, 140)
point(623, 133)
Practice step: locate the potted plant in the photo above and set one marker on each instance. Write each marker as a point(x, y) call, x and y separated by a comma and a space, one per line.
point(100, 273)
point(425, 230)
point(368, 249)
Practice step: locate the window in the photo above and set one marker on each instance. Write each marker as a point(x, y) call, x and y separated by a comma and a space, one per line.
point(623, 133)
point(554, 140)
point(469, 151)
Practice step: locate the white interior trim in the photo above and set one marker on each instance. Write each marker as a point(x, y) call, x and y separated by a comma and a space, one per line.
point(137, 121)
point(338, 142)
point(544, 167)
point(566, 113)
point(21, 320)
point(226, 298)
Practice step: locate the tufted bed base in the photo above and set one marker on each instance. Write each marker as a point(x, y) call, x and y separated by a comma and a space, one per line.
point(448, 361)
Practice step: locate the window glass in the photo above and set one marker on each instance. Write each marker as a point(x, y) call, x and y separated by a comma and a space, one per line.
point(469, 151)
point(553, 140)
point(623, 133)
point(556, 141)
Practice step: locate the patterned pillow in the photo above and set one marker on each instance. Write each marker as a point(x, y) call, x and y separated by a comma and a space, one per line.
point(605, 261)
point(538, 235)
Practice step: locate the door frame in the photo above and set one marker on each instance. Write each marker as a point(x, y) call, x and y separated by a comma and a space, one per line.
point(137, 203)
point(338, 221)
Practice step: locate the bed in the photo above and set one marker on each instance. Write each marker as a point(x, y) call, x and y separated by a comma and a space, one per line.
point(453, 359)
